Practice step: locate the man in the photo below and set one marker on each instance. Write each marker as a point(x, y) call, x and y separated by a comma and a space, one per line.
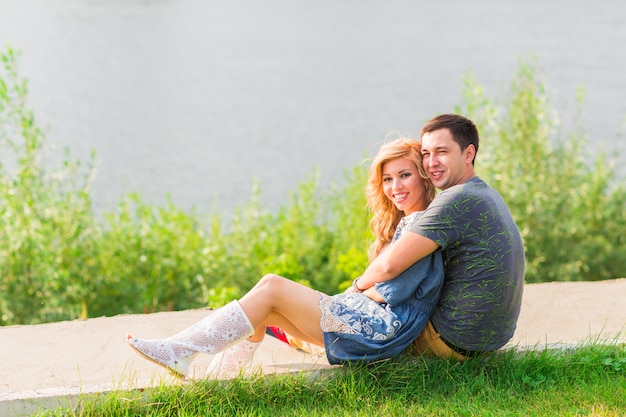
point(481, 245)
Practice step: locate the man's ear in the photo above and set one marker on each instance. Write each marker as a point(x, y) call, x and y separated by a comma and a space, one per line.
point(470, 153)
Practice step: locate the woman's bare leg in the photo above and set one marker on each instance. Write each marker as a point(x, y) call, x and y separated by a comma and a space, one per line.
point(273, 301)
point(278, 301)
point(270, 303)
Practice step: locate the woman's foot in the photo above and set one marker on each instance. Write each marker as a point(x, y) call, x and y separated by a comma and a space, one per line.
point(218, 331)
point(174, 357)
point(229, 363)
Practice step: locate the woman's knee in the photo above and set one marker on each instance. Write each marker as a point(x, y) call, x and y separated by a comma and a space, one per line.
point(272, 282)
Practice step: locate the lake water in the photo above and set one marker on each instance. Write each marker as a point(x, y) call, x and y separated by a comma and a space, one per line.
point(195, 98)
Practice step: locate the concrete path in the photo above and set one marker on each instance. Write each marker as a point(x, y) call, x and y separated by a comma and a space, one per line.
point(42, 366)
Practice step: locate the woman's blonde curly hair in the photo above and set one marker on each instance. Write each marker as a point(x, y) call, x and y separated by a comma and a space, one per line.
point(386, 215)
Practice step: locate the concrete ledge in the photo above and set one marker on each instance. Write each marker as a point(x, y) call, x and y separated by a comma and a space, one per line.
point(50, 365)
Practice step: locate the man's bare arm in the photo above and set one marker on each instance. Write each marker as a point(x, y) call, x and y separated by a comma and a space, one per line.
point(408, 249)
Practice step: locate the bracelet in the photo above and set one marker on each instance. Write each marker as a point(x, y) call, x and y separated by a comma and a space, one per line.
point(356, 287)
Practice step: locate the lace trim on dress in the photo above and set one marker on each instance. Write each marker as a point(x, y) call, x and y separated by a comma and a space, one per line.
point(405, 222)
point(330, 322)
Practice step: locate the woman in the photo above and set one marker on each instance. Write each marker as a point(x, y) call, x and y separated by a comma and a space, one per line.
point(370, 325)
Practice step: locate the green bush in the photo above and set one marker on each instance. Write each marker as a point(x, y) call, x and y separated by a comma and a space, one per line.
point(47, 227)
point(569, 207)
point(59, 261)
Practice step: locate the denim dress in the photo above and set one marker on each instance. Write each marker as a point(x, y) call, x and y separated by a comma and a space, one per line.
point(359, 329)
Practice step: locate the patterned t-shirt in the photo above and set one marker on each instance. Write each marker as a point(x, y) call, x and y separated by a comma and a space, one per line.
point(484, 262)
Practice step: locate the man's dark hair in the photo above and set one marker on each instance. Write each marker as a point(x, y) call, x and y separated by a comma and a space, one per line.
point(463, 130)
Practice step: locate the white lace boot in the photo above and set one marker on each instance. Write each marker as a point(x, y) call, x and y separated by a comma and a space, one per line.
point(228, 363)
point(213, 334)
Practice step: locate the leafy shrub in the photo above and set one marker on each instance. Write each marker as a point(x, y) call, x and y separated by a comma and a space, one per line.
point(47, 228)
point(58, 261)
point(569, 207)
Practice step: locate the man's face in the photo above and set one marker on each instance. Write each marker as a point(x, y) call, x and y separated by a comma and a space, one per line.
point(443, 160)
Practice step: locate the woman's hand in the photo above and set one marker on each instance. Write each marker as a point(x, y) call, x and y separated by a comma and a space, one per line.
point(349, 290)
point(374, 295)
point(369, 292)
point(354, 287)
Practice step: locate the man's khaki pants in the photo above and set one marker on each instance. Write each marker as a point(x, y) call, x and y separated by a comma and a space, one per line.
point(429, 343)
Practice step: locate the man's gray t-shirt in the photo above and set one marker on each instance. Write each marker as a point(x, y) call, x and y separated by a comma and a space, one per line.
point(484, 261)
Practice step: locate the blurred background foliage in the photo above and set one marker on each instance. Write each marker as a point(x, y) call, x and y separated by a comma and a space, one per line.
point(59, 260)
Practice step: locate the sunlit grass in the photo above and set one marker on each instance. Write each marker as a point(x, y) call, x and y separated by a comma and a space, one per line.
point(589, 380)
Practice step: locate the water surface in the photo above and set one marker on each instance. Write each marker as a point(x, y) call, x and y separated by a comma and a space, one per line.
point(195, 98)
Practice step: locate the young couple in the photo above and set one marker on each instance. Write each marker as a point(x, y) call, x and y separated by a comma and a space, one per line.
point(445, 276)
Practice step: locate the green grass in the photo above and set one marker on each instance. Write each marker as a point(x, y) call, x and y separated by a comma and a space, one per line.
point(589, 380)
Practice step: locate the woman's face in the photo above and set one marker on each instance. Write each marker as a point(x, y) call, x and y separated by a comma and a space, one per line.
point(403, 185)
